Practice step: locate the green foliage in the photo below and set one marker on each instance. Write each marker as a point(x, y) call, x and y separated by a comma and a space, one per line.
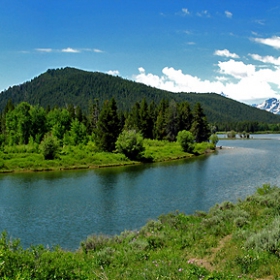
point(49, 147)
point(186, 140)
point(214, 139)
point(130, 143)
point(77, 132)
point(231, 134)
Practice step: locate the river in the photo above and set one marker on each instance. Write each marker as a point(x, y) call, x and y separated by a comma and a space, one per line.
point(63, 208)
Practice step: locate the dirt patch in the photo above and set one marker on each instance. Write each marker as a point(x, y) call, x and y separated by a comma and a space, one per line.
point(208, 262)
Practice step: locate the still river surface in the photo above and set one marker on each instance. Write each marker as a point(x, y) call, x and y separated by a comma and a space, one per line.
point(65, 207)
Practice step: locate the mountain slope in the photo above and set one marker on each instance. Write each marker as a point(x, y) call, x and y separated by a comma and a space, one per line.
point(73, 86)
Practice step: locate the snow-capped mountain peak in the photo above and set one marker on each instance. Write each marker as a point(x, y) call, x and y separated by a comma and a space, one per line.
point(271, 105)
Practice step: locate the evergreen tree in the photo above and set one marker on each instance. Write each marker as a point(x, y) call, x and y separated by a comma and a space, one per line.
point(108, 126)
point(200, 128)
point(160, 125)
point(133, 119)
point(145, 123)
point(185, 116)
point(93, 116)
point(79, 114)
point(153, 117)
point(70, 108)
point(172, 121)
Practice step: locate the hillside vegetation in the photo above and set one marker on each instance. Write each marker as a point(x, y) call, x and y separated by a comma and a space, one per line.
point(231, 241)
point(62, 87)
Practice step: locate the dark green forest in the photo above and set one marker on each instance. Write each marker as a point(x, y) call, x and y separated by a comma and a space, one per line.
point(65, 87)
point(25, 123)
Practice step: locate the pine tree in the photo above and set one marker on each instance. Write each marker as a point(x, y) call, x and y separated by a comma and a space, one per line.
point(200, 128)
point(185, 116)
point(145, 122)
point(160, 125)
point(172, 121)
point(108, 126)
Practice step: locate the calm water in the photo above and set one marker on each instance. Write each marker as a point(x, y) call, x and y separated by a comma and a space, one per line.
point(65, 207)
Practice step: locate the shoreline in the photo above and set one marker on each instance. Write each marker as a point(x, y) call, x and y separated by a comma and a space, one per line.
point(84, 167)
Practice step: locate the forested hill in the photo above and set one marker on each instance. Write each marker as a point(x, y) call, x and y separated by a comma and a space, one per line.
point(65, 86)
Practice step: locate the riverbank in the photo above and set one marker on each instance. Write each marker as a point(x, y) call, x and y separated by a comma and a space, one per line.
point(231, 241)
point(27, 158)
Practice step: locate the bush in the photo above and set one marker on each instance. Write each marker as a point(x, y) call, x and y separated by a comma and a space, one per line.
point(49, 147)
point(130, 143)
point(268, 239)
point(214, 139)
point(186, 140)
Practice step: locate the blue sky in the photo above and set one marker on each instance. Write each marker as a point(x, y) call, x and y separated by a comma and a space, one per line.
point(185, 45)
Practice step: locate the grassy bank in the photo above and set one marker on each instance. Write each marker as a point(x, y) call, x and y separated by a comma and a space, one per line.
point(231, 241)
point(29, 158)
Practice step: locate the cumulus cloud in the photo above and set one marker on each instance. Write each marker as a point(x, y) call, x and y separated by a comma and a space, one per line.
point(251, 85)
point(266, 59)
point(228, 14)
point(236, 69)
point(70, 50)
point(226, 53)
point(272, 42)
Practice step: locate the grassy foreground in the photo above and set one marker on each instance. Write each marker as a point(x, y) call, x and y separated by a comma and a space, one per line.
point(231, 241)
point(29, 157)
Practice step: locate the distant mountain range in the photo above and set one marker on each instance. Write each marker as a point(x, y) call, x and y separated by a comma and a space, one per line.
point(271, 105)
point(61, 87)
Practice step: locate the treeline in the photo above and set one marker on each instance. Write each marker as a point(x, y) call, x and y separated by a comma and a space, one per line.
point(25, 123)
point(248, 126)
point(58, 87)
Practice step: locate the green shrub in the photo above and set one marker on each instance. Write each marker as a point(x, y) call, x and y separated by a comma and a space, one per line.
point(214, 139)
point(95, 243)
point(130, 143)
point(186, 140)
point(49, 147)
point(268, 239)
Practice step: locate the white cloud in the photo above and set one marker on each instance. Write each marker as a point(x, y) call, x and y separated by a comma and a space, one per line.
point(251, 87)
point(228, 14)
point(236, 69)
point(185, 11)
point(226, 53)
point(272, 42)
point(70, 50)
point(97, 51)
point(113, 72)
point(266, 59)
point(203, 13)
point(46, 50)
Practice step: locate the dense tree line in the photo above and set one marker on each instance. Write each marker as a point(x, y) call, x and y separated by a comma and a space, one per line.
point(58, 87)
point(25, 123)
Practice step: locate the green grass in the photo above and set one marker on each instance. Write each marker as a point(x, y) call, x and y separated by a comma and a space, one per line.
point(231, 241)
point(29, 157)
